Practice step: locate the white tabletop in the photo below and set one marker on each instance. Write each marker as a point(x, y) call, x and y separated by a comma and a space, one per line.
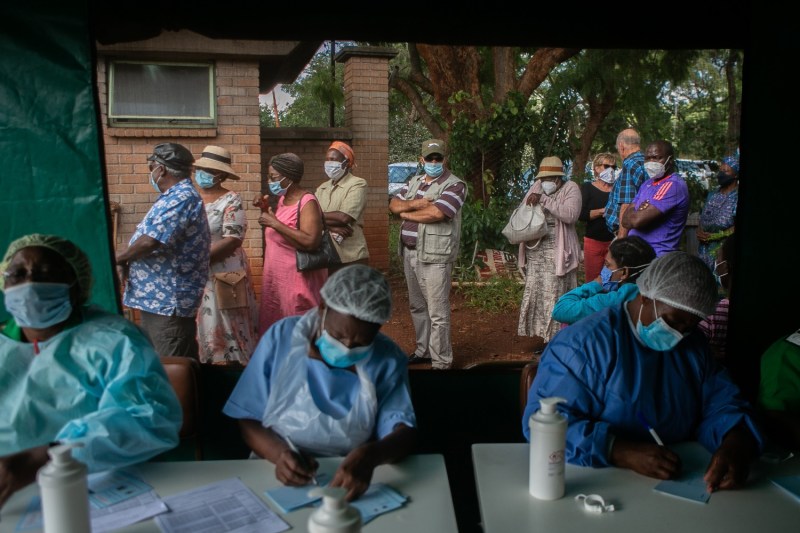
point(421, 477)
point(501, 476)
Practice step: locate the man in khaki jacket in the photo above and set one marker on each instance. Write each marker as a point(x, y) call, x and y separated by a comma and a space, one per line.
point(430, 207)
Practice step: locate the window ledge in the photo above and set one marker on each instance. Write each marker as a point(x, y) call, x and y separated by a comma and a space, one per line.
point(161, 132)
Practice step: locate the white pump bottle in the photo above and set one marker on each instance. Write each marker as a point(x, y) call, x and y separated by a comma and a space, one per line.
point(548, 440)
point(335, 515)
point(65, 493)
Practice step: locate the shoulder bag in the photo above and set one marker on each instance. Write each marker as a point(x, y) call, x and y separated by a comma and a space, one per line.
point(527, 223)
point(230, 289)
point(324, 256)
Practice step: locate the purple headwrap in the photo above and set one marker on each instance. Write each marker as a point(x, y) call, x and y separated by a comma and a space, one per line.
point(733, 162)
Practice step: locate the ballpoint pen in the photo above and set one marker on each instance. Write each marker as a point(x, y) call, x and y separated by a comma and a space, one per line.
point(652, 431)
point(302, 458)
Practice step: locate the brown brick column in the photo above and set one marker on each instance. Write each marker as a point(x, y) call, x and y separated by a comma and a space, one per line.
point(366, 90)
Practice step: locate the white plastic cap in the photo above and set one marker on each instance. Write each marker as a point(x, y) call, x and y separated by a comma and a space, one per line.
point(548, 405)
point(61, 454)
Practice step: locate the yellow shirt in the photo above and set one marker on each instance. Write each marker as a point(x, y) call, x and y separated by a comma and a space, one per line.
point(348, 194)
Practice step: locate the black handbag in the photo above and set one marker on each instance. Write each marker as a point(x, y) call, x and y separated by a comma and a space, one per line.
point(324, 256)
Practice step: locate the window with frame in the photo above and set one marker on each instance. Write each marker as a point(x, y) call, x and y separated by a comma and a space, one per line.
point(161, 94)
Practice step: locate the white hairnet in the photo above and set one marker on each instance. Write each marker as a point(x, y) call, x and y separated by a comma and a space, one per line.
point(682, 281)
point(73, 255)
point(359, 291)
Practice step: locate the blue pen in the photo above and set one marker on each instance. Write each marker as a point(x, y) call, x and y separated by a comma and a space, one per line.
point(652, 431)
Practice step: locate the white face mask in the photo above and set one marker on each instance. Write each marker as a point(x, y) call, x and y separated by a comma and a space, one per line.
point(655, 169)
point(335, 169)
point(549, 187)
point(608, 175)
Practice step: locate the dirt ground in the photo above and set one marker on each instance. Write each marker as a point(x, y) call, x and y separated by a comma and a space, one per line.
point(478, 337)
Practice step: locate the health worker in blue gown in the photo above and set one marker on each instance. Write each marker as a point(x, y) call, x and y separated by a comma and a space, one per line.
point(71, 373)
point(644, 363)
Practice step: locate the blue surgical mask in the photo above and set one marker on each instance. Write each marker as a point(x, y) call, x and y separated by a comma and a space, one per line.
point(276, 189)
point(659, 335)
point(334, 352)
point(204, 179)
point(154, 182)
point(434, 170)
point(38, 304)
point(609, 285)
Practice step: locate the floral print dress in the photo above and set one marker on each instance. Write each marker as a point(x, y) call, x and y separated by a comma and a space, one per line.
point(227, 335)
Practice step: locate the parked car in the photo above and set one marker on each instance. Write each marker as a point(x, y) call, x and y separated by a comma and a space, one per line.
point(400, 173)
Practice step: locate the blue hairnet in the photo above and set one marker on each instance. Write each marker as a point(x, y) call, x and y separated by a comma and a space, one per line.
point(73, 255)
point(682, 281)
point(359, 291)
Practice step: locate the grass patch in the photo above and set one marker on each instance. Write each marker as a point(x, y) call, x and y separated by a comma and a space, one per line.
point(496, 295)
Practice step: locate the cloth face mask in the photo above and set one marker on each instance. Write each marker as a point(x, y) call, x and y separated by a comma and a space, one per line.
point(608, 175)
point(38, 304)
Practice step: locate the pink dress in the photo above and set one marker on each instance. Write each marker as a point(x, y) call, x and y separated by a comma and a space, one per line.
point(284, 290)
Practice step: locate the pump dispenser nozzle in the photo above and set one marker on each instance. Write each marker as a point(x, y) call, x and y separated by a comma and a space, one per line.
point(335, 515)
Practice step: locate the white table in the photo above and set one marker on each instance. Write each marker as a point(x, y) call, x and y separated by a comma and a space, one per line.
point(421, 477)
point(501, 477)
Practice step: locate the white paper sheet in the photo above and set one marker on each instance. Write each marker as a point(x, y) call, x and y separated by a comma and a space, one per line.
point(226, 505)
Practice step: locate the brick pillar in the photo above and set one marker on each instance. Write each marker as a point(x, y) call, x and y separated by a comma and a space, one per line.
point(366, 102)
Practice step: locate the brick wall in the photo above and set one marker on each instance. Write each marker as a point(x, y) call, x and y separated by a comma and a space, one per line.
point(238, 130)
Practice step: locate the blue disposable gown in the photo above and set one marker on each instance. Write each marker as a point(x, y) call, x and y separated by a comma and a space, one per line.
point(607, 376)
point(100, 383)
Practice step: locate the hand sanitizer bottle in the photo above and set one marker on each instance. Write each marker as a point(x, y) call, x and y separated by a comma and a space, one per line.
point(335, 515)
point(65, 494)
point(548, 440)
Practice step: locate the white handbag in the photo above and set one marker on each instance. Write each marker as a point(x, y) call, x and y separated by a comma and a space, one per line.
point(527, 223)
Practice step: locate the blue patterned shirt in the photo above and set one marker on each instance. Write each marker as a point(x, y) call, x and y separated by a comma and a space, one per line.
point(631, 177)
point(170, 281)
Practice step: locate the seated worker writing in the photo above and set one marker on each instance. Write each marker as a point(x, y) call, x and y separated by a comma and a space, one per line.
point(646, 359)
point(73, 373)
point(331, 384)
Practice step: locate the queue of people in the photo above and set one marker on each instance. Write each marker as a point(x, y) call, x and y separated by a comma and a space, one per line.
point(320, 379)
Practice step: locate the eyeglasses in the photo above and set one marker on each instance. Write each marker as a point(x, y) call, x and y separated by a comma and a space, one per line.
point(20, 275)
point(434, 158)
point(609, 166)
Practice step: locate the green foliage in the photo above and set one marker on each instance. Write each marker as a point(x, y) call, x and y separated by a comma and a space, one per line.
point(405, 136)
point(500, 294)
point(492, 146)
point(483, 225)
point(395, 262)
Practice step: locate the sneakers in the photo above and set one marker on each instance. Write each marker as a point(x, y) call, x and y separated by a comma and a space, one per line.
point(417, 360)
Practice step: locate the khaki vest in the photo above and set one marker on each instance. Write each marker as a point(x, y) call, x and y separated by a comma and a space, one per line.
point(438, 242)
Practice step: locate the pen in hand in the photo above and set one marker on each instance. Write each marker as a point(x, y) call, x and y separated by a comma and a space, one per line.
point(300, 455)
point(650, 429)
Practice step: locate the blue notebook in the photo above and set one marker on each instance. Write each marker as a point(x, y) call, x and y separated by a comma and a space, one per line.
point(790, 484)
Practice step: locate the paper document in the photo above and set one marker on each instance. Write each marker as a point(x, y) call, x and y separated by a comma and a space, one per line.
point(378, 499)
point(109, 518)
point(790, 484)
point(689, 487)
point(288, 498)
point(226, 505)
point(113, 486)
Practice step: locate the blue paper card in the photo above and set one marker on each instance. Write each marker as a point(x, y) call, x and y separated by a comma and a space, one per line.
point(790, 484)
point(114, 486)
point(691, 487)
point(290, 498)
point(378, 499)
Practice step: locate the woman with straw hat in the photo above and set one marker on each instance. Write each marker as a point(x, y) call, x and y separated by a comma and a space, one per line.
point(227, 329)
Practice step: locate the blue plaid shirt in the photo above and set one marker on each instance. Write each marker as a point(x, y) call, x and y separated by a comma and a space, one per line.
point(171, 280)
point(631, 177)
